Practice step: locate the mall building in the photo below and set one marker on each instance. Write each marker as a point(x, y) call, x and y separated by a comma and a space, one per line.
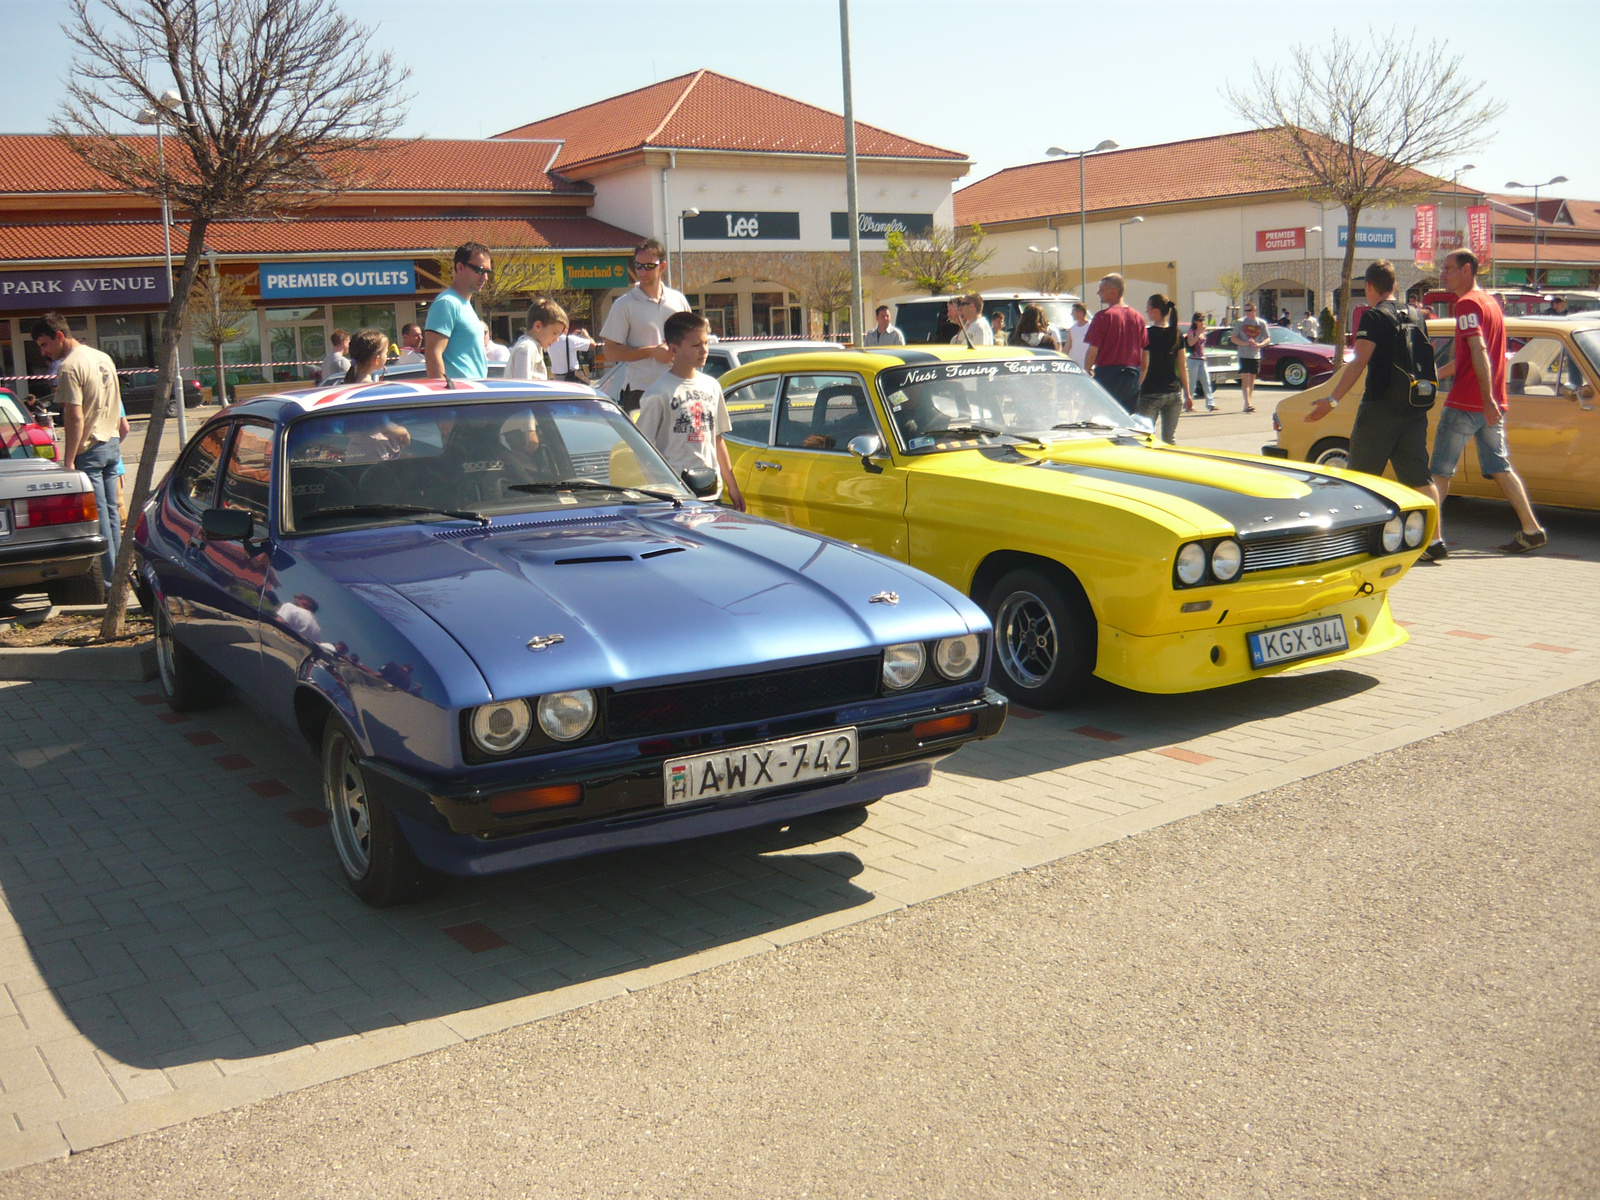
point(745, 186)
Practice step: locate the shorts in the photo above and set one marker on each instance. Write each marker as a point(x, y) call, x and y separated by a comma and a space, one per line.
point(1450, 439)
point(1249, 366)
point(1387, 433)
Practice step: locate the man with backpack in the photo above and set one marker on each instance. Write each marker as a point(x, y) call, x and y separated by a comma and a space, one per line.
point(1392, 422)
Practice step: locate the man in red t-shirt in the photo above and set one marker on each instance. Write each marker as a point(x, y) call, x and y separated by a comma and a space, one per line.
point(1476, 406)
point(1119, 343)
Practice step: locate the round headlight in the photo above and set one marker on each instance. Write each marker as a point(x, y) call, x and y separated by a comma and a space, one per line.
point(1393, 531)
point(1191, 564)
point(502, 726)
point(957, 657)
point(566, 716)
point(902, 665)
point(1416, 524)
point(1226, 559)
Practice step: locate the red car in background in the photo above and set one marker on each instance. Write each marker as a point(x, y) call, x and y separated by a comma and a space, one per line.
point(1293, 359)
point(20, 437)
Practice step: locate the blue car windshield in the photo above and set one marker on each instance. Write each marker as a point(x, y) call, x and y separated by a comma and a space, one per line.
point(368, 466)
point(956, 405)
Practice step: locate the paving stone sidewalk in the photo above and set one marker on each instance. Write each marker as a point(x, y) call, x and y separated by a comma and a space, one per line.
point(175, 938)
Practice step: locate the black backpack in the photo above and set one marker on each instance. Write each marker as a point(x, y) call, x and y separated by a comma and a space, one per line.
point(1413, 381)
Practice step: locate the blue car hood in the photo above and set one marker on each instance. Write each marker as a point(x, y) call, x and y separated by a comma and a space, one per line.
point(645, 599)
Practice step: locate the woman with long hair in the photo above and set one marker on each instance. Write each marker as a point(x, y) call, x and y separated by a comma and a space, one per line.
point(369, 352)
point(1165, 388)
point(1033, 329)
point(1199, 374)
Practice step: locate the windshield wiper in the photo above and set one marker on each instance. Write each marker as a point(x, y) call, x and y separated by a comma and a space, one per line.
point(1096, 424)
point(374, 510)
point(969, 430)
point(568, 485)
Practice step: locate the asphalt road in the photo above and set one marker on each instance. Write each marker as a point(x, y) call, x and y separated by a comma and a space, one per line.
point(1379, 982)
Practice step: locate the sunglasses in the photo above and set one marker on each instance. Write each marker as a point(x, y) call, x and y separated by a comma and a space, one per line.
point(484, 271)
point(645, 266)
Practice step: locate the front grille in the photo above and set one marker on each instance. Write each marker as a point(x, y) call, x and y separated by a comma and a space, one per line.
point(1299, 549)
point(741, 700)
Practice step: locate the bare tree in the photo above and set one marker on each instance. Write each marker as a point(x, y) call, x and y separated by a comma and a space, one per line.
point(1231, 284)
point(823, 283)
point(220, 309)
point(940, 261)
point(280, 104)
point(1360, 124)
point(1044, 273)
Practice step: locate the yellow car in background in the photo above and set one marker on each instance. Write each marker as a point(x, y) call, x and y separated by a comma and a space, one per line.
point(1552, 423)
point(1013, 476)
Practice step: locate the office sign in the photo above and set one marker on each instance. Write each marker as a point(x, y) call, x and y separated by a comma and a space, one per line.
point(610, 272)
point(743, 227)
point(293, 281)
point(1561, 278)
point(1369, 237)
point(876, 227)
point(41, 291)
point(1424, 235)
point(1280, 239)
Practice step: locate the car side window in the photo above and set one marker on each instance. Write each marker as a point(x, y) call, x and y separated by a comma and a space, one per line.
point(1535, 369)
point(823, 412)
point(195, 480)
point(750, 410)
point(247, 480)
point(718, 364)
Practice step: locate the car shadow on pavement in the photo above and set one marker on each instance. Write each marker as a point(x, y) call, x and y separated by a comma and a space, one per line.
point(175, 887)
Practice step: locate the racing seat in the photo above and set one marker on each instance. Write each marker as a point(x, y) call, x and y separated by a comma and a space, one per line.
point(837, 423)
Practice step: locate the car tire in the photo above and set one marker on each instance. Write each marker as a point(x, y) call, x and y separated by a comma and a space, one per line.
point(1294, 373)
point(1331, 452)
point(1045, 639)
point(88, 588)
point(377, 862)
point(187, 684)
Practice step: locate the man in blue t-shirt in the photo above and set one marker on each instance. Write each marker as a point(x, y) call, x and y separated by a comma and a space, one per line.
point(455, 335)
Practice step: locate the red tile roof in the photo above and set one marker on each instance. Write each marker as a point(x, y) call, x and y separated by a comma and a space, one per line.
point(1582, 214)
point(142, 239)
point(1198, 169)
point(31, 163)
point(707, 111)
point(1551, 254)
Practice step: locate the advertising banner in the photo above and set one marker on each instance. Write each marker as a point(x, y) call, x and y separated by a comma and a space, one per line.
point(41, 291)
point(295, 281)
point(1566, 278)
point(608, 272)
point(743, 226)
point(1280, 239)
point(1426, 232)
point(1369, 237)
point(876, 226)
point(1478, 231)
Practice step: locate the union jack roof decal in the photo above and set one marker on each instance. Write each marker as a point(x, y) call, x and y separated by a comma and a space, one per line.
point(319, 398)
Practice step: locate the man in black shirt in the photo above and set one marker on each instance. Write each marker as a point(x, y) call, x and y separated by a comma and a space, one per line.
point(1385, 431)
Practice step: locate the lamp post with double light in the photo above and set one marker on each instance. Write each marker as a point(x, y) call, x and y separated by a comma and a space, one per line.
point(158, 117)
point(1039, 255)
point(1083, 218)
point(1534, 282)
point(1120, 227)
point(683, 271)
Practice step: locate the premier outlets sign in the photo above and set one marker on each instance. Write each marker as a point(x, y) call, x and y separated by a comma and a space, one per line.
point(297, 281)
point(42, 291)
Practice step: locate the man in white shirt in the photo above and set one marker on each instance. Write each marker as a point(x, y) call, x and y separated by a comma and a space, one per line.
point(633, 329)
point(1074, 338)
point(564, 352)
point(885, 334)
point(337, 361)
point(683, 414)
point(969, 314)
point(410, 344)
point(493, 351)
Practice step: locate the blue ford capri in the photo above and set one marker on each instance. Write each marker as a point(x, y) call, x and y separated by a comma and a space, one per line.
point(516, 637)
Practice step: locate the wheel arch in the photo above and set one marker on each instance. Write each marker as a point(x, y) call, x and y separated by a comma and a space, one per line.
point(317, 695)
point(999, 562)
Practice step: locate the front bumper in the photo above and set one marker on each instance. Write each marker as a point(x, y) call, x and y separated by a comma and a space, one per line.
point(452, 828)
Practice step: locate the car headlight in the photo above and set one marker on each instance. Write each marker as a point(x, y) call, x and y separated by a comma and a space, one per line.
point(902, 665)
point(1191, 564)
point(957, 657)
point(1227, 557)
point(1393, 533)
point(1416, 525)
point(566, 716)
point(501, 727)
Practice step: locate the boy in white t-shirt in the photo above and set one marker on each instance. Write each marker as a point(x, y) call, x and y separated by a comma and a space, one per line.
point(546, 320)
point(683, 413)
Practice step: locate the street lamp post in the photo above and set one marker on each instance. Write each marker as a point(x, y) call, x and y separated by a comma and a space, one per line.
point(1305, 266)
point(1083, 218)
point(683, 274)
point(1056, 250)
point(157, 117)
point(857, 316)
point(1534, 282)
point(1123, 225)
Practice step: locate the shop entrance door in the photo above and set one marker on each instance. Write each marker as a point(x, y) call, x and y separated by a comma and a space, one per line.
point(297, 336)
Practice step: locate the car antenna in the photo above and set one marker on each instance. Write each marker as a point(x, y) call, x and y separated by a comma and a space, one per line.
point(449, 384)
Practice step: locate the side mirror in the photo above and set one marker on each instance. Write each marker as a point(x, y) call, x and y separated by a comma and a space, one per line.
point(864, 446)
point(702, 481)
point(227, 525)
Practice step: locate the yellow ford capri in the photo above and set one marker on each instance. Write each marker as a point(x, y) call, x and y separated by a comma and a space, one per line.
point(1012, 475)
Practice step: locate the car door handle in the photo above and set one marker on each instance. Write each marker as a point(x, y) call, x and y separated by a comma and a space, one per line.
point(764, 465)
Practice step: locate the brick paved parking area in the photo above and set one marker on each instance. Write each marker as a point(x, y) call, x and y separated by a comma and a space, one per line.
point(175, 939)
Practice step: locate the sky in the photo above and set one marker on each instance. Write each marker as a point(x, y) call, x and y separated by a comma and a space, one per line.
point(999, 82)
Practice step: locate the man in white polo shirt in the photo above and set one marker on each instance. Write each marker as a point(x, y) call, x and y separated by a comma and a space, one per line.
point(632, 332)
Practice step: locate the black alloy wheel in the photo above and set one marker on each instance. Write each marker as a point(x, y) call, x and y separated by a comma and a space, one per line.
point(1045, 639)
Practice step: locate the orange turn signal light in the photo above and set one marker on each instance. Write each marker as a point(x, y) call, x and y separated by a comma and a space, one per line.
point(942, 726)
point(532, 799)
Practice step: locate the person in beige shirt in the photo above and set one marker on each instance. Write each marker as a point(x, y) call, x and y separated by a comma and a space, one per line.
point(90, 399)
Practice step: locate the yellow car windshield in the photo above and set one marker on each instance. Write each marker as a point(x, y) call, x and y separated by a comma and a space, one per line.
point(947, 405)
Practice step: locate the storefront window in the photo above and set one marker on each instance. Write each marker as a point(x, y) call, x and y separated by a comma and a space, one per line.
point(722, 313)
point(288, 316)
point(768, 315)
point(355, 317)
point(132, 339)
point(242, 357)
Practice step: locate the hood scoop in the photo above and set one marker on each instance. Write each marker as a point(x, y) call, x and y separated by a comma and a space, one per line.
point(610, 558)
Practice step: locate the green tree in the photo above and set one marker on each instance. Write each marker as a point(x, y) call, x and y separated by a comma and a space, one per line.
point(220, 308)
point(1230, 283)
point(941, 261)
